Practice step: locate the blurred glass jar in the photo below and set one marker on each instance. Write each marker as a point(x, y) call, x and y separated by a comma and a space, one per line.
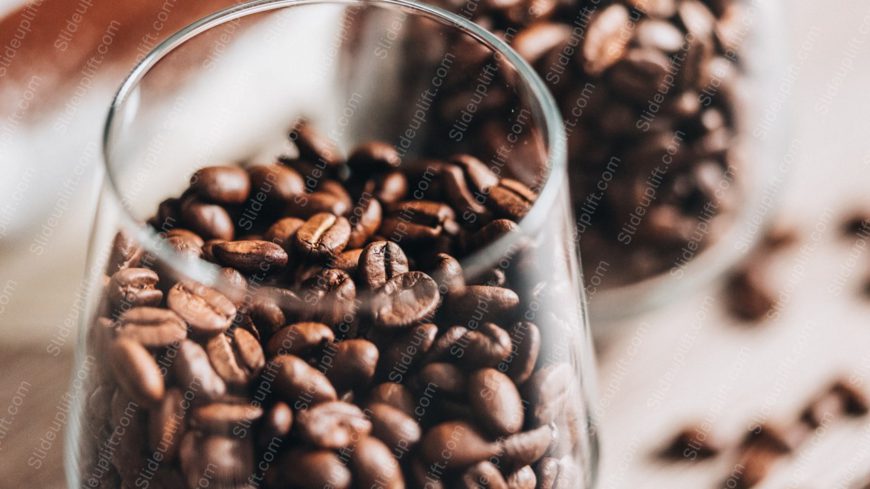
point(670, 109)
point(241, 333)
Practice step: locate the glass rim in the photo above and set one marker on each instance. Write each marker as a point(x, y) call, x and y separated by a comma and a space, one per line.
point(202, 271)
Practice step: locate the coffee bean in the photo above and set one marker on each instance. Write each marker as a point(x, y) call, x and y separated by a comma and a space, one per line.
point(748, 294)
point(329, 297)
point(216, 460)
point(300, 339)
point(486, 346)
point(419, 222)
point(348, 261)
point(276, 424)
point(283, 232)
point(483, 475)
point(493, 304)
point(210, 221)
point(374, 156)
point(238, 360)
point(323, 236)
point(313, 469)
point(404, 300)
point(390, 188)
point(318, 203)
point(355, 363)
point(605, 42)
point(151, 327)
point(408, 348)
point(315, 147)
point(333, 425)
point(660, 35)
point(136, 371)
point(133, 287)
point(527, 447)
point(381, 261)
point(445, 377)
point(276, 185)
point(495, 401)
point(537, 39)
point(526, 345)
point(365, 220)
point(446, 345)
point(489, 233)
point(166, 424)
point(547, 391)
point(639, 74)
point(511, 199)
point(394, 427)
point(251, 256)
point(467, 204)
point(524, 478)
point(206, 311)
point(394, 395)
point(220, 418)
point(221, 184)
point(481, 178)
point(374, 466)
point(125, 254)
point(194, 372)
point(298, 384)
point(456, 444)
point(692, 443)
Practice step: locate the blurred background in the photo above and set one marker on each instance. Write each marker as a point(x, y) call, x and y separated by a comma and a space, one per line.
point(757, 347)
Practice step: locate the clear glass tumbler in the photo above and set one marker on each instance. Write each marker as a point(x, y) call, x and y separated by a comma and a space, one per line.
point(298, 281)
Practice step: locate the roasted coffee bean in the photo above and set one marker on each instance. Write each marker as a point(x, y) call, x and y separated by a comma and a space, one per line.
point(220, 418)
point(314, 469)
point(300, 339)
point(483, 475)
point(511, 199)
point(605, 42)
point(206, 311)
point(526, 345)
point(748, 295)
point(405, 300)
point(374, 466)
point(692, 443)
point(381, 261)
point(210, 221)
point(393, 427)
point(468, 205)
point(444, 377)
point(251, 256)
point(537, 39)
point(490, 233)
point(487, 346)
point(660, 35)
point(354, 366)
point(447, 344)
point(456, 444)
point(151, 327)
point(276, 424)
point(365, 219)
point(221, 184)
point(524, 478)
point(390, 188)
point(216, 460)
point(239, 359)
point(328, 297)
point(394, 395)
point(547, 391)
point(447, 273)
point(194, 373)
point(495, 401)
point(348, 261)
point(125, 254)
point(527, 447)
point(187, 244)
point(419, 222)
point(493, 304)
point(374, 156)
point(407, 349)
point(133, 287)
point(298, 384)
point(323, 236)
point(333, 425)
point(276, 185)
point(315, 147)
point(283, 232)
point(319, 202)
point(780, 439)
point(136, 371)
point(480, 176)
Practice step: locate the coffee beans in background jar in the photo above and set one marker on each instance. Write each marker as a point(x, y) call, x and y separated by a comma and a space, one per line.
point(343, 347)
point(649, 94)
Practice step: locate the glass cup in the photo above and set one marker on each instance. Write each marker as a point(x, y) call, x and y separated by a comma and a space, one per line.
point(675, 133)
point(278, 301)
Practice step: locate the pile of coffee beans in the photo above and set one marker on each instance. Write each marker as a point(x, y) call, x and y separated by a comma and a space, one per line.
point(345, 345)
point(648, 91)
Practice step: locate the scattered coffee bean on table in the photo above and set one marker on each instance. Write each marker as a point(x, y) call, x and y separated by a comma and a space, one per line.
point(345, 346)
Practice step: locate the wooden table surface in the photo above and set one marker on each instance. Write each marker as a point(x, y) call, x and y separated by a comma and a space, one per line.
point(689, 361)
